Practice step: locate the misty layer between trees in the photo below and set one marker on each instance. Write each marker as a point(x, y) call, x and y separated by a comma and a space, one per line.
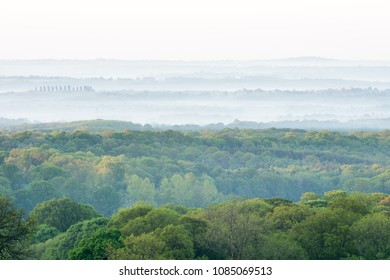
point(307, 92)
point(365, 109)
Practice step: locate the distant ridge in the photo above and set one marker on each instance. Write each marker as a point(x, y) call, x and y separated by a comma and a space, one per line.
point(113, 125)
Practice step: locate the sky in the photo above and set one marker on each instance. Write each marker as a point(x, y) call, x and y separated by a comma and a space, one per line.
point(194, 29)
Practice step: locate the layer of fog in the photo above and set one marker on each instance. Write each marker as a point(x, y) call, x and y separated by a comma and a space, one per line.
point(188, 92)
point(197, 107)
point(106, 75)
point(305, 67)
point(20, 84)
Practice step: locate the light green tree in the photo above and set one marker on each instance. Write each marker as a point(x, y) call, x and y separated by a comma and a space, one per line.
point(139, 189)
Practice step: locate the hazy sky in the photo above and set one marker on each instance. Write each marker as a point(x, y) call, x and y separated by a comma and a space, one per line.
point(194, 29)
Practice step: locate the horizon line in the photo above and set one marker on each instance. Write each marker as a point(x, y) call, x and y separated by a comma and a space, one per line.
point(292, 59)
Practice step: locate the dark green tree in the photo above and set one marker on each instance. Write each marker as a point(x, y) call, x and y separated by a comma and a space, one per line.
point(234, 228)
point(178, 242)
point(282, 218)
point(62, 213)
point(371, 236)
point(98, 245)
point(106, 200)
point(280, 246)
point(78, 232)
point(326, 234)
point(44, 233)
point(15, 231)
point(36, 192)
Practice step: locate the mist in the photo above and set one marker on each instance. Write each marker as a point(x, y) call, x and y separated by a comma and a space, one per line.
point(200, 93)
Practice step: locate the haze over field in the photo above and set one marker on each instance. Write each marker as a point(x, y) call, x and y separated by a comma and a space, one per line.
point(203, 92)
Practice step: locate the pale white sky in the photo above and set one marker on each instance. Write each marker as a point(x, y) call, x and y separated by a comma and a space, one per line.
point(194, 29)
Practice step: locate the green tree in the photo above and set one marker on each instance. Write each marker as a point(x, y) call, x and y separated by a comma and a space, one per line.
point(62, 213)
point(355, 203)
point(146, 246)
point(107, 200)
point(47, 172)
point(330, 195)
point(121, 217)
point(283, 218)
point(140, 189)
point(279, 246)
point(189, 190)
point(371, 236)
point(36, 192)
point(234, 228)
point(13, 174)
point(156, 218)
point(178, 242)
point(28, 157)
point(5, 187)
point(111, 171)
point(98, 245)
point(196, 224)
point(48, 250)
point(44, 233)
point(78, 232)
point(326, 234)
point(307, 196)
point(15, 231)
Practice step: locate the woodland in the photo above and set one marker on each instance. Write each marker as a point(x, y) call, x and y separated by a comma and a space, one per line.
point(204, 194)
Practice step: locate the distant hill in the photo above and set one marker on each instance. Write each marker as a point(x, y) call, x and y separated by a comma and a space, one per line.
point(113, 125)
point(12, 122)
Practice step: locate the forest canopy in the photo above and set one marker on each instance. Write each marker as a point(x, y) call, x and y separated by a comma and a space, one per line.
point(112, 170)
point(336, 226)
point(208, 194)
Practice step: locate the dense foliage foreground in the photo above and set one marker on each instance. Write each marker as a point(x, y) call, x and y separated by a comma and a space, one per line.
point(336, 226)
point(229, 194)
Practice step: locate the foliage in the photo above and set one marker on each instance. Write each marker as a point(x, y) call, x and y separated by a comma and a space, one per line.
point(326, 234)
point(15, 231)
point(234, 228)
point(205, 194)
point(112, 170)
point(156, 218)
point(62, 213)
point(371, 236)
point(351, 226)
point(44, 233)
point(279, 246)
point(97, 246)
point(78, 232)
